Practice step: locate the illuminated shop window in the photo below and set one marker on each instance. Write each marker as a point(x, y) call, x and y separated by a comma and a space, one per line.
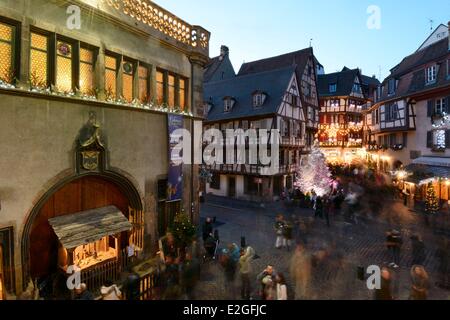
point(182, 94)
point(38, 60)
point(6, 53)
point(171, 99)
point(87, 71)
point(110, 77)
point(143, 84)
point(64, 66)
point(127, 81)
point(159, 87)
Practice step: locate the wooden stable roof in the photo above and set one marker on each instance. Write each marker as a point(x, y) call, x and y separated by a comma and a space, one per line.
point(89, 226)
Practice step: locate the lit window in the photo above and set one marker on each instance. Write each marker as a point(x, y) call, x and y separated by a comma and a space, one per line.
point(110, 77)
point(160, 87)
point(6, 53)
point(143, 85)
point(171, 98)
point(127, 81)
point(439, 139)
point(87, 71)
point(431, 74)
point(64, 66)
point(182, 94)
point(38, 60)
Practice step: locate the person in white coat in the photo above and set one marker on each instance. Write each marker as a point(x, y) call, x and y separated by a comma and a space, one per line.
point(110, 291)
point(281, 287)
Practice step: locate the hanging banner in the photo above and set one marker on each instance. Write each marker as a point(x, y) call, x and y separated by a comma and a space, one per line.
point(175, 180)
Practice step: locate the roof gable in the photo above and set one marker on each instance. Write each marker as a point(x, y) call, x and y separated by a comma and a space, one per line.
point(274, 83)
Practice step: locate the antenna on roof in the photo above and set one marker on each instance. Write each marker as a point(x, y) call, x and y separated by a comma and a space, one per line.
point(310, 42)
point(379, 75)
point(431, 24)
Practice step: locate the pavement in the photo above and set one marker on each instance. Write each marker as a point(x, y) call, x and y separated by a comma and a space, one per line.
point(359, 245)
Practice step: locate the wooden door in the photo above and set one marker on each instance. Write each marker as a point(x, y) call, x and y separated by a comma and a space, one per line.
point(80, 195)
point(232, 187)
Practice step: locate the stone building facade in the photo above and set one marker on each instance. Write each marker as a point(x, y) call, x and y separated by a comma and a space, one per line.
point(84, 120)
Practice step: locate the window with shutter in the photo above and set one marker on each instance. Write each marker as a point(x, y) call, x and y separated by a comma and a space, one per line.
point(447, 139)
point(405, 139)
point(430, 108)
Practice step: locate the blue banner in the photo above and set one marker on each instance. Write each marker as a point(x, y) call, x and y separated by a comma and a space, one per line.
point(175, 180)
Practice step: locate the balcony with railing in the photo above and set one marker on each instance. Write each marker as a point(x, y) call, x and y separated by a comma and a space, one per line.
point(147, 15)
point(292, 142)
point(251, 169)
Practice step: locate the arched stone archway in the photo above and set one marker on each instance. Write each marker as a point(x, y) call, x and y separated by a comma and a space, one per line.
point(70, 195)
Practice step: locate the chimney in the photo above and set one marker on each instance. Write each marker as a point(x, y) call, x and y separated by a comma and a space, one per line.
point(224, 51)
point(449, 35)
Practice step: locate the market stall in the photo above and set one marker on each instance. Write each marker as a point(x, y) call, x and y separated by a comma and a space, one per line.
point(90, 239)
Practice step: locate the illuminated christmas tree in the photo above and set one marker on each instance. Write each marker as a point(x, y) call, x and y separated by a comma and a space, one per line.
point(183, 230)
point(314, 174)
point(431, 202)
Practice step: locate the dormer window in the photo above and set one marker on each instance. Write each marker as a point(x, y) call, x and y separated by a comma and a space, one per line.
point(228, 103)
point(391, 86)
point(357, 88)
point(431, 73)
point(259, 98)
point(333, 88)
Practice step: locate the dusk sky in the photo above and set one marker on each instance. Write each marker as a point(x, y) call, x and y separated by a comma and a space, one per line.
point(256, 29)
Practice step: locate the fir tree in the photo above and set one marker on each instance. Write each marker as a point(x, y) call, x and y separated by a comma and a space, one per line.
point(431, 201)
point(314, 173)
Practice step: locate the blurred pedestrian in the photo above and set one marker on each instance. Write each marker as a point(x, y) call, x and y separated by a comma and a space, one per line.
point(385, 290)
point(110, 291)
point(394, 243)
point(190, 274)
point(443, 255)
point(207, 228)
point(300, 270)
point(328, 209)
point(279, 226)
point(418, 250)
point(319, 208)
point(83, 293)
point(229, 267)
point(281, 287)
point(266, 278)
point(245, 271)
point(172, 279)
point(420, 283)
point(288, 234)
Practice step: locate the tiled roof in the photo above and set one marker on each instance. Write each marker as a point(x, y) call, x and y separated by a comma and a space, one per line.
point(410, 73)
point(211, 68)
point(299, 58)
point(274, 83)
point(344, 81)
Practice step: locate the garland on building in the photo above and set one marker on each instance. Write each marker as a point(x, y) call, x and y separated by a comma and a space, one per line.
point(314, 174)
point(431, 201)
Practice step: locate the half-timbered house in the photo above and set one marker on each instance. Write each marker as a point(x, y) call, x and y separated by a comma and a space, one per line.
point(343, 98)
point(275, 93)
point(408, 125)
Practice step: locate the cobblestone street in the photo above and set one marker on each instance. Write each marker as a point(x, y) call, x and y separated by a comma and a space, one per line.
point(358, 245)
